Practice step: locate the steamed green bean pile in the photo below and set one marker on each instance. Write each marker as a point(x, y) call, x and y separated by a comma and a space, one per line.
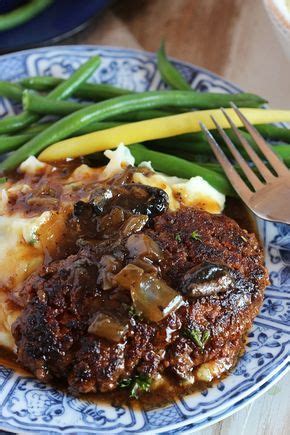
point(96, 107)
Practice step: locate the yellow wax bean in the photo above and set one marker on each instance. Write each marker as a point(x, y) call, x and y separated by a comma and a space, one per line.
point(155, 129)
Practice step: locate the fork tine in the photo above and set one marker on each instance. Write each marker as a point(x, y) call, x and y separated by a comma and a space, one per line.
point(260, 165)
point(237, 182)
point(252, 177)
point(270, 155)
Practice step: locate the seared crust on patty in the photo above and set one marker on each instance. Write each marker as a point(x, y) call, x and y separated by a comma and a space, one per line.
point(220, 302)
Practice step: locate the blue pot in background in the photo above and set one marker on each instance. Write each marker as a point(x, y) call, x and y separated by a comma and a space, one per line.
point(9, 5)
point(61, 19)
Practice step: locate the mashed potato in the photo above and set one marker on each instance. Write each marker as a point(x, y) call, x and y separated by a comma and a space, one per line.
point(195, 192)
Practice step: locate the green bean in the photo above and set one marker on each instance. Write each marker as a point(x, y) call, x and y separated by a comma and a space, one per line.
point(195, 143)
point(141, 115)
point(86, 91)
point(283, 151)
point(65, 127)
point(37, 103)
point(218, 168)
point(11, 90)
point(272, 132)
point(35, 128)
point(22, 14)
point(62, 91)
point(13, 123)
point(174, 78)
point(67, 88)
point(192, 156)
point(33, 102)
point(9, 143)
point(169, 73)
point(214, 167)
point(172, 165)
point(40, 104)
point(96, 91)
point(95, 126)
point(174, 146)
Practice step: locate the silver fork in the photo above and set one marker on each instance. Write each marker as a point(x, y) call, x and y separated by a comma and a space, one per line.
point(269, 196)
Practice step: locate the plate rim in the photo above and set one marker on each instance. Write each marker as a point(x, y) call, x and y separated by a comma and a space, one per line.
point(120, 48)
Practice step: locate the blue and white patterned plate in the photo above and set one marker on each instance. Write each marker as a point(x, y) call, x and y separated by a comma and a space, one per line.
point(29, 406)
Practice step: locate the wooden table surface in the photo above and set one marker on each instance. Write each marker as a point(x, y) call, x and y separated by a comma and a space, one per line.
point(233, 38)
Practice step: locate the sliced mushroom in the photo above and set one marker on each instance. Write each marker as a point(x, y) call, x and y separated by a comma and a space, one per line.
point(206, 279)
point(136, 198)
point(92, 216)
point(96, 204)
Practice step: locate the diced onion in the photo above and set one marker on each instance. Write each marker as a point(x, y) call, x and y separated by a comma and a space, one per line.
point(134, 224)
point(142, 246)
point(151, 296)
point(107, 326)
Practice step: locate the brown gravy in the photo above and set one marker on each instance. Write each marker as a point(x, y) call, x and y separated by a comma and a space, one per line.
point(173, 390)
point(159, 397)
point(162, 396)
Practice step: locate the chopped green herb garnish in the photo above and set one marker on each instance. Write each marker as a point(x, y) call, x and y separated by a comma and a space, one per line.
point(199, 338)
point(3, 180)
point(195, 236)
point(178, 238)
point(141, 384)
point(138, 384)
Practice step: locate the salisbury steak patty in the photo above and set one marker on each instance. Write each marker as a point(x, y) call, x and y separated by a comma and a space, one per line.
point(82, 320)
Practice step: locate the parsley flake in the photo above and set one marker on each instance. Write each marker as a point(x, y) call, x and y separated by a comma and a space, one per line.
point(178, 238)
point(3, 180)
point(139, 384)
point(195, 235)
point(199, 338)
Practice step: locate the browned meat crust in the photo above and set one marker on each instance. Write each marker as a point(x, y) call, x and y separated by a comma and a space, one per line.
point(61, 301)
